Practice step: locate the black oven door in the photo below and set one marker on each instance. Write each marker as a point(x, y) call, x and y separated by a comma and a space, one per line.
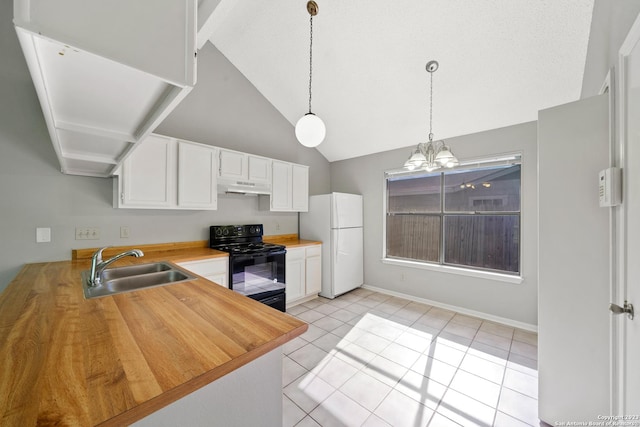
point(256, 275)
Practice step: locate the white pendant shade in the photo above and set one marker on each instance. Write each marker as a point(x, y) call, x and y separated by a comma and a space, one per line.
point(310, 130)
point(444, 156)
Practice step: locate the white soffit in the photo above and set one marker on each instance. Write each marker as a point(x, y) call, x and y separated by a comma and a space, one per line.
point(500, 62)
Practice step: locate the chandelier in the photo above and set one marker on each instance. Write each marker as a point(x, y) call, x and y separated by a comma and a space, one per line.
point(431, 155)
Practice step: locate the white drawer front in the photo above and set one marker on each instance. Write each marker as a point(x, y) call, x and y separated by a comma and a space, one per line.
point(295, 254)
point(207, 267)
point(314, 250)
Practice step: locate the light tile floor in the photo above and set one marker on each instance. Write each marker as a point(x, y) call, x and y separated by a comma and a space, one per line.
point(369, 359)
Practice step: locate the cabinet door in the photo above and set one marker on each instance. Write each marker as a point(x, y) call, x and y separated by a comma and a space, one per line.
point(313, 272)
point(281, 186)
point(197, 176)
point(295, 273)
point(148, 175)
point(215, 269)
point(300, 188)
point(219, 279)
point(259, 169)
point(233, 165)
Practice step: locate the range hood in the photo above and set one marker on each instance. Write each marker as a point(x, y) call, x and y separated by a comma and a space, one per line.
point(249, 188)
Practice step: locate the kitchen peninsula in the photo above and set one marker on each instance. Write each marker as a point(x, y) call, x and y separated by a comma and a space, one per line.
point(116, 360)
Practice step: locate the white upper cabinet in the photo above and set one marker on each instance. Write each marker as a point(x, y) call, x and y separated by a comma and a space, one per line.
point(107, 73)
point(233, 165)
point(197, 176)
point(259, 169)
point(148, 175)
point(289, 189)
point(300, 188)
point(165, 173)
point(238, 166)
point(281, 186)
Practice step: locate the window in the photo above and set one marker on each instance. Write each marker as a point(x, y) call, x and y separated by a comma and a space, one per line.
point(465, 217)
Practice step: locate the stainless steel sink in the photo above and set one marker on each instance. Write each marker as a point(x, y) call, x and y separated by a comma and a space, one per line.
point(134, 277)
point(135, 270)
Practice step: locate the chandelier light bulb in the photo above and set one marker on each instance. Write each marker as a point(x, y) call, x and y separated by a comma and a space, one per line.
point(310, 130)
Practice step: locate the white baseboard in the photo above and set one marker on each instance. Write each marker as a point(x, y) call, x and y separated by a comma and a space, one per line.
point(301, 300)
point(461, 310)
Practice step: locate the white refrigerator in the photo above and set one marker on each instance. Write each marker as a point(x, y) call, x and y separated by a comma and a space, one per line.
point(336, 220)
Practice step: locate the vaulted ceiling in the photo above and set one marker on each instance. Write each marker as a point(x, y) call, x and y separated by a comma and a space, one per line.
point(500, 62)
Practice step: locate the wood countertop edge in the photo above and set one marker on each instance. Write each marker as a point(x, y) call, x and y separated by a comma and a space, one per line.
point(168, 397)
point(302, 244)
point(290, 240)
point(187, 251)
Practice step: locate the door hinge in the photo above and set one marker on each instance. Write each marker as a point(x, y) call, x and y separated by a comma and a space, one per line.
point(122, 197)
point(626, 308)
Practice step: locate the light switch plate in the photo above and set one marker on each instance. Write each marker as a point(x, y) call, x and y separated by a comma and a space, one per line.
point(43, 235)
point(87, 233)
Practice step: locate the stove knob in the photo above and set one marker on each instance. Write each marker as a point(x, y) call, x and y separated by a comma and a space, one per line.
point(225, 232)
point(218, 232)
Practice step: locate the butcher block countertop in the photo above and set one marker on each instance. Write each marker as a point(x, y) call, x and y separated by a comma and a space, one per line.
point(290, 240)
point(111, 361)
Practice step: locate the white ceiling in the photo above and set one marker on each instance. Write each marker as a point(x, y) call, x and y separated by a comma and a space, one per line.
point(500, 62)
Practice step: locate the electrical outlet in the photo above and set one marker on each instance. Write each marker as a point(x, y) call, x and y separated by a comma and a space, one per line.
point(124, 232)
point(277, 226)
point(402, 277)
point(87, 233)
point(43, 234)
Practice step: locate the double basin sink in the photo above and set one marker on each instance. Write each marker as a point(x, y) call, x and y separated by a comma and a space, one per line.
point(134, 277)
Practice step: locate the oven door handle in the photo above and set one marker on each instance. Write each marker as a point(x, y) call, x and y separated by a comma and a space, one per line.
point(270, 300)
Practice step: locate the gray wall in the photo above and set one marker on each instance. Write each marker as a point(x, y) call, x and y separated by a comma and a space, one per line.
point(611, 22)
point(365, 175)
point(224, 109)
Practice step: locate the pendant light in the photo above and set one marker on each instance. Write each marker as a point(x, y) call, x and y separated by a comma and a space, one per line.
point(431, 155)
point(310, 129)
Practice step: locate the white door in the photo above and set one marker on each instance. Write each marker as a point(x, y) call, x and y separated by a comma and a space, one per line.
point(573, 263)
point(347, 261)
point(630, 113)
point(346, 210)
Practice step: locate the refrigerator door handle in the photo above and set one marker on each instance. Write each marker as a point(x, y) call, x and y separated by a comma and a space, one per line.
point(337, 248)
point(336, 212)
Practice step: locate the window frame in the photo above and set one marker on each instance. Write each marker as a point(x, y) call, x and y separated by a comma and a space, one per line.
point(439, 266)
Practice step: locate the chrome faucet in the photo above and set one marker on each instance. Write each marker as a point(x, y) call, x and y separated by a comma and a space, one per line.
point(98, 265)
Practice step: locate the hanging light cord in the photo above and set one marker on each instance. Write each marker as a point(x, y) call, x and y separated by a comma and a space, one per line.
point(310, 58)
point(431, 108)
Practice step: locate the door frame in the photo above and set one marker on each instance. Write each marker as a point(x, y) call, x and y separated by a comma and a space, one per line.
point(619, 290)
point(609, 87)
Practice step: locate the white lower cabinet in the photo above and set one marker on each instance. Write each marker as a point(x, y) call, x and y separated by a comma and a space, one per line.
point(295, 274)
point(214, 269)
point(303, 273)
point(313, 265)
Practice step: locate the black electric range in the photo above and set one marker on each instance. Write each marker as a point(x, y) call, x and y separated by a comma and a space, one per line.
point(256, 268)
